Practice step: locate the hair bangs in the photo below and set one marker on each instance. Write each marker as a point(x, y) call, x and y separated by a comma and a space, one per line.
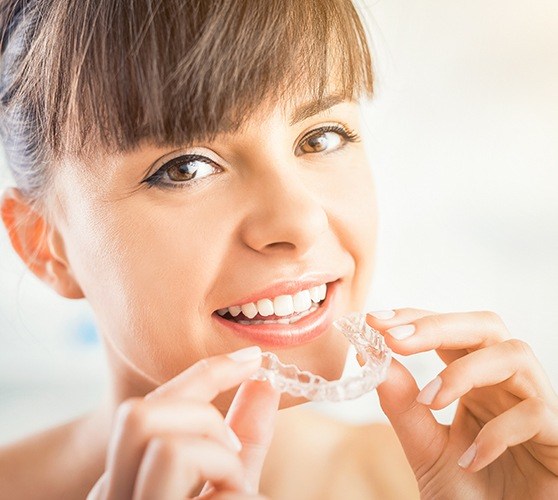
point(175, 72)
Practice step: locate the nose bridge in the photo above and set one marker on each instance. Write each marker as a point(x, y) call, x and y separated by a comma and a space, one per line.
point(285, 214)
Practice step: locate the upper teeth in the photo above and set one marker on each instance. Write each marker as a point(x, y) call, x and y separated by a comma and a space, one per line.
point(282, 305)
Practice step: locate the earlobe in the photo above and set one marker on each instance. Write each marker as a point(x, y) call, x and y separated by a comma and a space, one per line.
point(38, 244)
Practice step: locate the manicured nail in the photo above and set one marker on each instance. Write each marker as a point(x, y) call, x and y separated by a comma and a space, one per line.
point(234, 438)
point(382, 314)
point(429, 391)
point(468, 457)
point(246, 354)
point(401, 332)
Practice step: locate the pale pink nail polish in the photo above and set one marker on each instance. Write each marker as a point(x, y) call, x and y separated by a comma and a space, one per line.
point(429, 391)
point(401, 332)
point(247, 354)
point(467, 458)
point(382, 314)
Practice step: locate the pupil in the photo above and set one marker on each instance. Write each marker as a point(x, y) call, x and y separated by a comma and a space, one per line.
point(318, 143)
point(181, 172)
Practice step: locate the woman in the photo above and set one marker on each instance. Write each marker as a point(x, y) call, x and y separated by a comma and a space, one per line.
point(187, 165)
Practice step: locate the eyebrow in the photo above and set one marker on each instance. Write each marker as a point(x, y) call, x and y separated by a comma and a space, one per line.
point(311, 108)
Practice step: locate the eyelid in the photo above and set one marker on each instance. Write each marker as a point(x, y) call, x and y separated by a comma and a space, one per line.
point(352, 135)
point(179, 153)
point(163, 164)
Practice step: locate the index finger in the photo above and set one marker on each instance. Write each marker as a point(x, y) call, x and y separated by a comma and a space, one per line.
point(451, 334)
point(208, 377)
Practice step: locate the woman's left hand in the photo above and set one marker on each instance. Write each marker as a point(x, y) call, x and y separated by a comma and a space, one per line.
point(503, 441)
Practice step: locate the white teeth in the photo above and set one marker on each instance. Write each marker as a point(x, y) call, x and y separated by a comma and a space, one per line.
point(314, 294)
point(235, 310)
point(283, 305)
point(265, 307)
point(302, 301)
point(249, 310)
point(282, 321)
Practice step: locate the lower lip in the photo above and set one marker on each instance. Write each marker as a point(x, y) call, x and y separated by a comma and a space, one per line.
point(277, 335)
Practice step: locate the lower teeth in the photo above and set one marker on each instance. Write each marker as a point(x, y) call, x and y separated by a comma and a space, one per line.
point(282, 321)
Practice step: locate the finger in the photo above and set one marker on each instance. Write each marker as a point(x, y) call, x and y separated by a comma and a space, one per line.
point(252, 417)
point(231, 495)
point(450, 331)
point(138, 420)
point(511, 361)
point(173, 466)
point(208, 377)
point(385, 320)
point(515, 426)
point(423, 439)
point(97, 492)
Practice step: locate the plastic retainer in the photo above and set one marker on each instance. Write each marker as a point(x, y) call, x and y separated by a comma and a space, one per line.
point(368, 343)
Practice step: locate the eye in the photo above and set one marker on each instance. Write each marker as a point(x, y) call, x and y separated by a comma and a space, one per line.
point(182, 171)
point(326, 139)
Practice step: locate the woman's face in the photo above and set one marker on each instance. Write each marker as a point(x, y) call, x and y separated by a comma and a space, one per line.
point(157, 251)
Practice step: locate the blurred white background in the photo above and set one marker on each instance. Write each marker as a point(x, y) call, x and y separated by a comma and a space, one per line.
point(463, 142)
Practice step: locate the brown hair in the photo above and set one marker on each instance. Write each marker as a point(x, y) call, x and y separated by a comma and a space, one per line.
point(105, 75)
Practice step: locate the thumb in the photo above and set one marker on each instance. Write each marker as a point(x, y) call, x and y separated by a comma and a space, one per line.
point(252, 418)
point(423, 439)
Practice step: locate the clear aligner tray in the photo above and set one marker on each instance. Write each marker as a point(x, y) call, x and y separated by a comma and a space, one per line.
point(368, 343)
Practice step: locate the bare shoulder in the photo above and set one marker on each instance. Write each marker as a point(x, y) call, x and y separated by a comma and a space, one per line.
point(47, 464)
point(316, 456)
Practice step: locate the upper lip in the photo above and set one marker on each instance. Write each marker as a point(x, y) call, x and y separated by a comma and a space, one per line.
point(288, 287)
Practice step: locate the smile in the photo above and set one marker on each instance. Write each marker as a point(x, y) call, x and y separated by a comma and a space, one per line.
point(288, 320)
point(283, 309)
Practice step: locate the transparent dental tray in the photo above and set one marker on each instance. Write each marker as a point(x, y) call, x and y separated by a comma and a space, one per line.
point(368, 343)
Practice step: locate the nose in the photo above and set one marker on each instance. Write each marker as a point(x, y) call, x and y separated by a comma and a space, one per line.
point(284, 217)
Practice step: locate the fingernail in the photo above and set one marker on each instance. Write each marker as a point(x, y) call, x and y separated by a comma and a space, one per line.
point(468, 457)
point(246, 354)
point(382, 314)
point(401, 332)
point(234, 438)
point(429, 391)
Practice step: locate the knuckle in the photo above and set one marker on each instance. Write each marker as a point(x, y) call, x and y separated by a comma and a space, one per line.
point(537, 407)
point(493, 321)
point(213, 415)
point(132, 414)
point(520, 348)
point(161, 450)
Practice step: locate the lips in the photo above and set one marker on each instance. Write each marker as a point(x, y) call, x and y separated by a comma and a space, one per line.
point(279, 335)
point(287, 287)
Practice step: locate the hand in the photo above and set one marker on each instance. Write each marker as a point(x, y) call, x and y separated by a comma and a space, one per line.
point(167, 444)
point(503, 441)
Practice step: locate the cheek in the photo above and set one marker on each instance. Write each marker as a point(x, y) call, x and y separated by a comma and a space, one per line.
point(146, 274)
point(354, 216)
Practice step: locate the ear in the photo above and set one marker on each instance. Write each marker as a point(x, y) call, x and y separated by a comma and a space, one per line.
point(39, 245)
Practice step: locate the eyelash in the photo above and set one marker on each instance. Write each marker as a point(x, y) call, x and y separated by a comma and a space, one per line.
point(155, 179)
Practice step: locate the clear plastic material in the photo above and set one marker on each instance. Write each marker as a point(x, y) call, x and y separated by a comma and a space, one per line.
point(368, 343)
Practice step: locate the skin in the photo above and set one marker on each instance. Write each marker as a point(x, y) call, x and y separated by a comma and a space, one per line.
point(154, 264)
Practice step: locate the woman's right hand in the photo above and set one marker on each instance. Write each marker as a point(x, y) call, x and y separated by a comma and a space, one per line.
point(167, 444)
